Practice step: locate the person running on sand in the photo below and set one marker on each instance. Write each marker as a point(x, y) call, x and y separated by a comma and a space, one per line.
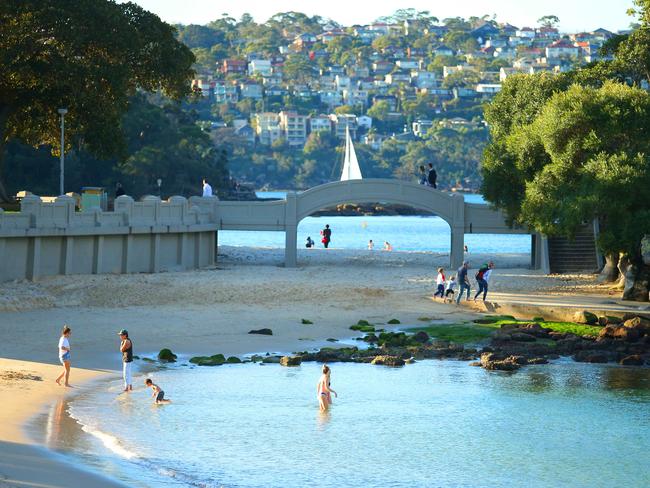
point(323, 389)
point(440, 281)
point(449, 293)
point(158, 394)
point(482, 277)
point(64, 355)
point(126, 348)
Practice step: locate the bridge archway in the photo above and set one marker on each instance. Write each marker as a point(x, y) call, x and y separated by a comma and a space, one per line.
point(448, 207)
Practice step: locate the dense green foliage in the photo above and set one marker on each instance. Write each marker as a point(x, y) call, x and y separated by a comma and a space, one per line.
point(88, 56)
point(161, 142)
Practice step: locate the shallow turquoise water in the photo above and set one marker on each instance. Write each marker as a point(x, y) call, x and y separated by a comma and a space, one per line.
point(434, 423)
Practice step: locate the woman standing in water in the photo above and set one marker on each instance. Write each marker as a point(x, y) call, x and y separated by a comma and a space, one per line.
point(323, 389)
point(64, 355)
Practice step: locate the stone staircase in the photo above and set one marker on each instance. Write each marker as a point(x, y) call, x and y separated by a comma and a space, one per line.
point(577, 255)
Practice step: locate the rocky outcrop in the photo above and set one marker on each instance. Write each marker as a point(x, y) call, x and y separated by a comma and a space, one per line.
point(585, 317)
point(498, 362)
point(388, 361)
point(261, 331)
point(290, 360)
point(215, 360)
point(632, 360)
point(166, 356)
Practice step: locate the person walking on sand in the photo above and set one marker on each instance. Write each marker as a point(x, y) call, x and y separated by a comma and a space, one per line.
point(371, 245)
point(323, 389)
point(463, 281)
point(64, 355)
point(207, 189)
point(449, 293)
point(327, 235)
point(482, 277)
point(126, 348)
point(440, 281)
point(158, 393)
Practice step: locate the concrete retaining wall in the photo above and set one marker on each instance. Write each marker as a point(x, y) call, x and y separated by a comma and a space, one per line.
point(46, 239)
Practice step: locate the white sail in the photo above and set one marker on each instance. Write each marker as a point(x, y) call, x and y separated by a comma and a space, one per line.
point(351, 169)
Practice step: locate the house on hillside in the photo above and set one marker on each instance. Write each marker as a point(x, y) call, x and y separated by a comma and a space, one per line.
point(365, 122)
point(261, 66)
point(267, 127)
point(382, 67)
point(408, 63)
point(304, 41)
point(484, 31)
point(397, 77)
point(234, 66)
point(225, 93)
point(320, 123)
point(423, 79)
point(443, 50)
point(355, 96)
point(343, 121)
point(421, 126)
point(250, 89)
point(246, 133)
point(390, 99)
point(526, 32)
point(294, 127)
point(562, 49)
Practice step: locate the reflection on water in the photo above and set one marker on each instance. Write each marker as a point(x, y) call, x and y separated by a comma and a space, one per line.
point(433, 423)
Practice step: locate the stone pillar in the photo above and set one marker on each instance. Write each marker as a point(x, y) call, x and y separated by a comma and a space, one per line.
point(31, 205)
point(124, 205)
point(544, 261)
point(457, 226)
point(64, 211)
point(291, 231)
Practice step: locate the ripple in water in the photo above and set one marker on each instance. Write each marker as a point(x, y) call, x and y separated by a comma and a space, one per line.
point(434, 423)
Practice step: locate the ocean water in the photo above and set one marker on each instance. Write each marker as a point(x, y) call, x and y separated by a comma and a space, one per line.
point(404, 233)
point(433, 423)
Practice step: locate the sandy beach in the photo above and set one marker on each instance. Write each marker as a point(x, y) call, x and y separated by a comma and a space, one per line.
point(206, 312)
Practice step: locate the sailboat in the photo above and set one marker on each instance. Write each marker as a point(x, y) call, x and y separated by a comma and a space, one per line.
point(351, 169)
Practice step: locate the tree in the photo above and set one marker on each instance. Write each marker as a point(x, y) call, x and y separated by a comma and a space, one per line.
point(581, 155)
point(548, 21)
point(379, 110)
point(88, 56)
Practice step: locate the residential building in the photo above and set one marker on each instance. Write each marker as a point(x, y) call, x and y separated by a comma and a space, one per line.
point(204, 86)
point(251, 90)
point(421, 126)
point(525, 32)
point(449, 70)
point(330, 98)
point(261, 66)
point(342, 82)
point(304, 41)
point(443, 50)
point(364, 121)
point(423, 79)
point(225, 93)
point(562, 49)
point(391, 99)
point(267, 127)
point(343, 121)
point(355, 96)
point(408, 64)
point(320, 123)
point(294, 127)
point(382, 67)
point(397, 77)
point(272, 79)
point(488, 88)
point(246, 132)
point(234, 66)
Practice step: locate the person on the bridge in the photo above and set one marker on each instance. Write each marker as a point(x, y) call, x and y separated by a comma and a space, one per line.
point(207, 189)
point(482, 277)
point(309, 243)
point(423, 176)
point(463, 281)
point(432, 177)
point(327, 236)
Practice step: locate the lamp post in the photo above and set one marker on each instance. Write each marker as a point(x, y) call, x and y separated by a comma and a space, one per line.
point(159, 181)
point(62, 112)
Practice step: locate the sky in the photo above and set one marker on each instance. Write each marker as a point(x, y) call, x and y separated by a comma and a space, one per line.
point(575, 15)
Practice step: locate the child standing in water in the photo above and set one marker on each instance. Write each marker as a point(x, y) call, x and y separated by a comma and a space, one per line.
point(323, 389)
point(157, 392)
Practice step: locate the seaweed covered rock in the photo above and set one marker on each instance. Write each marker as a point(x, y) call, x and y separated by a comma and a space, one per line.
point(393, 322)
point(261, 331)
point(215, 360)
point(497, 362)
point(388, 361)
point(290, 360)
point(167, 356)
point(421, 337)
point(233, 360)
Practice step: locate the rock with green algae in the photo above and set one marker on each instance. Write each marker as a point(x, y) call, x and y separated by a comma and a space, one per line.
point(233, 360)
point(215, 360)
point(167, 356)
point(394, 322)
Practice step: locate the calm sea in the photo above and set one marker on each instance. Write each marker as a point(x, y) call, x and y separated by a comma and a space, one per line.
point(433, 423)
point(404, 233)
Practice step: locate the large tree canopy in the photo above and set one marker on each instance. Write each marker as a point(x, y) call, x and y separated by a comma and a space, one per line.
point(88, 56)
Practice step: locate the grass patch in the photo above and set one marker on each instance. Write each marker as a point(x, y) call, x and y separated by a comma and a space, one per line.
point(459, 333)
point(562, 327)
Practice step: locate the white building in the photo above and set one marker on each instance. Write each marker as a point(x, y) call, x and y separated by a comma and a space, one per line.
point(320, 123)
point(365, 122)
point(267, 127)
point(294, 127)
point(261, 66)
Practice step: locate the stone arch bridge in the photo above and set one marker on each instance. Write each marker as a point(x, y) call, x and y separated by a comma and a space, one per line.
point(51, 237)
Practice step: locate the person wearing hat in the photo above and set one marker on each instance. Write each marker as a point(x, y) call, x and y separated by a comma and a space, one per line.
point(126, 348)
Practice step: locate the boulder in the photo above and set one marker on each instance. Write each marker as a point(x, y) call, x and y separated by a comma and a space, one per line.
point(233, 360)
point(496, 362)
point(632, 360)
point(370, 338)
point(261, 331)
point(521, 337)
point(306, 322)
point(613, 320)
point(590, 357)
point(167, 356)
point(272, 360)
point(393, 322)
point(638, 323)
point(421, 337)
point(585, 317)
point(388, 361)
point(625, 333)
point(215, 360)
point(290, 360)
